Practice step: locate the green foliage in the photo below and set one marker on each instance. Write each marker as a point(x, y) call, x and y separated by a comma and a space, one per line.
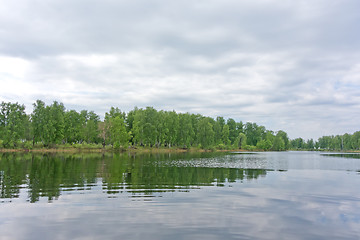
point(264, 144)
point(278, 144)
point(254, 133)
point(206, 133)
point(48, 123)
point(186, 131)
point(38, 145)
point(53, 126)
point(233, 134)
point(225, 135)
point(221, 146)
point(249, 148)
point(13, 120)
point(118, 134)
point(283, 135)
point(28, 145)
point(115, 129)
point(241, 141)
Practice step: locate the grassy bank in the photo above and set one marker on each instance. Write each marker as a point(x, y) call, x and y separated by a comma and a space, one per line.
point(101, 149)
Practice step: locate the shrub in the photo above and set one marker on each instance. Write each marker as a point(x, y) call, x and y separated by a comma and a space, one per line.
point(250, 148)
point(38, 145)
point(28, 145)
point(221, 146)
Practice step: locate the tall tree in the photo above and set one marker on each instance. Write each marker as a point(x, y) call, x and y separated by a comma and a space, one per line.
point(171, 124)
point(73, 127)
point(241, 141)
point(55, 126)
point(138, 126)
point(186, 131)
point(225, 135)
point(48, 122)
point(233, 134)
point(115, 128)
point(279, 144)
point(283, 135)
point(119, 135)
point(39, 121)
point(206, 133)
point(91, 129)
point(13, 120)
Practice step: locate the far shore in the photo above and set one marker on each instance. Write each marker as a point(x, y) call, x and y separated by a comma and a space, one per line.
point(141, 150)
point(102, 150)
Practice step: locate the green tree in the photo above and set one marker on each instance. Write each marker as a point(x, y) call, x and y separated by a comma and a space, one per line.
point(241, 141)
point(114, 128)
point(264, 144)
point(225, 135)
point(206, 133)
point(55, 125)
point(91, 128)
point(355, 141)
point(119, 135)
point(278, 144)
point(185, 131)
point(254, 133)
point(73, 126)
point(150, 133)
point(297, 143)
point(48, 122)
point(171, 125)
point(138, 126)
point(13, 120)
point(195, 120)
point(39, 121)
point(240, 127)
point(283, 135)
point(221, 122)
point(233, 134)
point(310, 145)
point(324, 142)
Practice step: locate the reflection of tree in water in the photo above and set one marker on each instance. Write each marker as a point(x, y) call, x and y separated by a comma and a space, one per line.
point(49, 175)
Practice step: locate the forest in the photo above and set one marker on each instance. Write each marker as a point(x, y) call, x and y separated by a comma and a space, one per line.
point(51, 126)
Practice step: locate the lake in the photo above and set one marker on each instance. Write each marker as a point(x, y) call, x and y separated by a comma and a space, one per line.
point(270, 195)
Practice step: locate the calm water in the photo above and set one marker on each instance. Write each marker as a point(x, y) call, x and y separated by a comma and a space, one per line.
point(287, 195)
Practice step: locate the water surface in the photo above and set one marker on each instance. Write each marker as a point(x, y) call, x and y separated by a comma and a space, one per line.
point(286, 195)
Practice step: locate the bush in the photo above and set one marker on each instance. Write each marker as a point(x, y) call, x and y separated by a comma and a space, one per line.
point(221, 146)
point(108, 147)
point(38, 145)
point(28, 145)
point(77, 145)
point(250, 148)
point(67, 145)
point(10, 145)
point(212, 148)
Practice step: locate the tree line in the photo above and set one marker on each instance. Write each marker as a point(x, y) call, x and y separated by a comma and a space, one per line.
point(52, 125)
point(345, 142)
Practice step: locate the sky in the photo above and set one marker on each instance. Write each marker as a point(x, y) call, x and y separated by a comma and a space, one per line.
point(287, 65)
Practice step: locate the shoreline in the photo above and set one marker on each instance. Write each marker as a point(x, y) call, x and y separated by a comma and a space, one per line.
point(102, 150)
point(141, 150)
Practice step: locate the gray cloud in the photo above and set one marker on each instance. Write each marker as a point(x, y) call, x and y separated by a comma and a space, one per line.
point(290, 66)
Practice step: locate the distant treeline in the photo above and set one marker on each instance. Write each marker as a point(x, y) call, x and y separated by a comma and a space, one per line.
point(53, 125)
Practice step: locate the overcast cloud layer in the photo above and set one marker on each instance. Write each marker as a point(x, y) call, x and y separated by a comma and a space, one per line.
point(290, 65)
